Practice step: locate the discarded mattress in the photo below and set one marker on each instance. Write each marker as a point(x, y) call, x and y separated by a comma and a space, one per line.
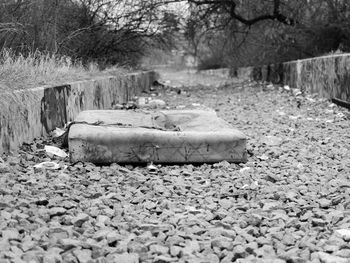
point(174, 136)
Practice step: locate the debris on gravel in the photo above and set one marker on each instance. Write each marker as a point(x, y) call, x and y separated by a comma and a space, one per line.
point(289, 203)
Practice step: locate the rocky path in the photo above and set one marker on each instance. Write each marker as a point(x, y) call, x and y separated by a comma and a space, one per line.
point(289, 203)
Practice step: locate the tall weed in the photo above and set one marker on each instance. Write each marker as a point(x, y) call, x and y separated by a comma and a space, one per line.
point(18, 71)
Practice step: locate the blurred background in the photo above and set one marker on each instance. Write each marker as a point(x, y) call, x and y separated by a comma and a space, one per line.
point(194, 33)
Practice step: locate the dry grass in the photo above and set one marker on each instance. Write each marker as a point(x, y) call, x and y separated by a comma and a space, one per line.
point(38, 69)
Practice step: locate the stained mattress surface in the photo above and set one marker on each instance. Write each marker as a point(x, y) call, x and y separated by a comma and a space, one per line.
point(167, 136)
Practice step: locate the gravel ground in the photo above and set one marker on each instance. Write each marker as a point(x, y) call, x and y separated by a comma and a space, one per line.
point(289, 203)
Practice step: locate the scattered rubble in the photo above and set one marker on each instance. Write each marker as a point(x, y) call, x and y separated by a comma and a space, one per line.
point(289, 203)
point(47, 165)
point(55, 151)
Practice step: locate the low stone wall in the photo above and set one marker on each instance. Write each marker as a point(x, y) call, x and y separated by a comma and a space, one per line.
point(221, 72)
point(260, 73)
point(32, 113)
point(328, 76)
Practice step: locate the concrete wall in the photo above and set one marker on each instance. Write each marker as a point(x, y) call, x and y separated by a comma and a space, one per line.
point(328, 76)
point(266, 73)
point(221, 72)
point(32, 113)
